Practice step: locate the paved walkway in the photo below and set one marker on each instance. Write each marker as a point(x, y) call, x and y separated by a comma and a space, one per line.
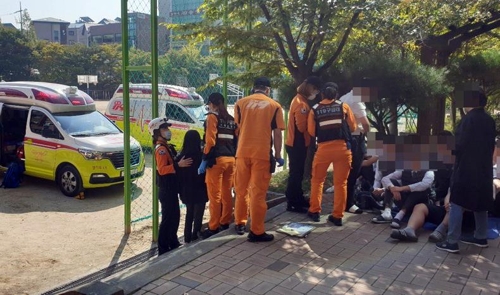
point(358, 258)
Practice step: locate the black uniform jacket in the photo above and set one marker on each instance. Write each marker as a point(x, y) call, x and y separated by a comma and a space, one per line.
point(192, 187)
point(471, 182)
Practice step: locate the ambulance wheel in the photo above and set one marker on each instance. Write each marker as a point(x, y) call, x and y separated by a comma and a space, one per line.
point(69, 180)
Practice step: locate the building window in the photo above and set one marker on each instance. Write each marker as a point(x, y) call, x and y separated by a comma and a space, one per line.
point(118, 38)
point(97, 39)
point(108, 39)
point(56, 35)
point(71, 33)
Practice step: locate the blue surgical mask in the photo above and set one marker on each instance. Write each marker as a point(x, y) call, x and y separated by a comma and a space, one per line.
point(167, 134)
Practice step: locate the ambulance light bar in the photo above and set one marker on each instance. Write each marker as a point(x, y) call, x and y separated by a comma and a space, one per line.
point(49, 96)
point(178, 94)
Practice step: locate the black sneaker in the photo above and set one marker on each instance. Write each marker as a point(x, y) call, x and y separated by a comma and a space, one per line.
point(223, 227)
point(240, 229)
point(208, 233)
point(445, 246)
point(294, 208)
point(402, 235)
point(314, 216)
point(483, 243)
point(335, 221)
point(396, 223)
point(260, 238)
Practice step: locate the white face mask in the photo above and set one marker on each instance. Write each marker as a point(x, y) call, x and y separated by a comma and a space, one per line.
point(313, 96)
point(167, 134)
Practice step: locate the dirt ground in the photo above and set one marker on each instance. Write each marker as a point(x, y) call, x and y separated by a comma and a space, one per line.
point(48, 240)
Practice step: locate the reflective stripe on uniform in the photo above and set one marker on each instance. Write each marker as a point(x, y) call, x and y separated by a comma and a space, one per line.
point(225, 136)
point(330, 122)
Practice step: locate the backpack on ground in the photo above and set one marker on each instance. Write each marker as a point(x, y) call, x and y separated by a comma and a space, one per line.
point(13, 176)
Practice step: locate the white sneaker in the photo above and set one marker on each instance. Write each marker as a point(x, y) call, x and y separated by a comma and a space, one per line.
point(387, 215)
point(355, 209)
point(329, 190)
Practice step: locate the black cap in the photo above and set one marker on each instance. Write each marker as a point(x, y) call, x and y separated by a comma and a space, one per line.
point(262, 81)
point(216, 98)
point(313, 80)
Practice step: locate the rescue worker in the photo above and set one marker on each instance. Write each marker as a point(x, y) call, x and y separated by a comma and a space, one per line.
point(218, 161)
point(331, 122)
point(297, 142)
point(166, 180)
point(260, 122)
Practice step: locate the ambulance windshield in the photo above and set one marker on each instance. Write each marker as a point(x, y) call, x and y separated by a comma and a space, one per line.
point(199, 113)
point(86, 124)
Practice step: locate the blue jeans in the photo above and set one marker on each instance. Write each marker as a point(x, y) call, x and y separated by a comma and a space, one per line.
point(455, 224)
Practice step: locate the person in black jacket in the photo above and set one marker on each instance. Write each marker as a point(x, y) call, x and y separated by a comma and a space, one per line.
point(471, 187)
point(192, 188)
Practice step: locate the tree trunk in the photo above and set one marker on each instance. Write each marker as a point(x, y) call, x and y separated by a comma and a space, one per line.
point(393, 126)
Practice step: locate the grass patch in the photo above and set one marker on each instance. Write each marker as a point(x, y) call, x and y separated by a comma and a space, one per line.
point(279, 181)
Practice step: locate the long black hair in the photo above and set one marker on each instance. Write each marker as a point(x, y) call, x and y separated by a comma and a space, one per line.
point(192, 143)
point(217, 99)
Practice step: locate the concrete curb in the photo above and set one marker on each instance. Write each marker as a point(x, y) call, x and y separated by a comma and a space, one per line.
point(134, 278)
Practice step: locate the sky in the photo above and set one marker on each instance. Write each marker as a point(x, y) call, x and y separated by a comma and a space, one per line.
point(68, 10)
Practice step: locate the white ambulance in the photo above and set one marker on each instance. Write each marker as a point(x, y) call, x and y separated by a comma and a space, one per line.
point(59, 135)
point(182, 106)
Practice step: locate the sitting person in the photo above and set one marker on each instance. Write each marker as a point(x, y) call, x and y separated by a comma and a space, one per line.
point(406, 189)
point(421, 214)
point(369, 192)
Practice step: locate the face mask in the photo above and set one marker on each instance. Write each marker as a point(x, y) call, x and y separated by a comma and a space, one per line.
point(167, 134)
point(313, 96)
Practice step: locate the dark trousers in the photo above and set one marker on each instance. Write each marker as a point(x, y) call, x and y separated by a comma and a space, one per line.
point(408, 199)
point(170, 217)
point(194, 218)
point(358, 149)
point(297, 161)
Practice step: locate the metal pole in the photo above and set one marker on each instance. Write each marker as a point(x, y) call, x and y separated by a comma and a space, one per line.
point(154, 86)
point(21, 15)
point(126, 117)
point(249, 28)
point(224, 61)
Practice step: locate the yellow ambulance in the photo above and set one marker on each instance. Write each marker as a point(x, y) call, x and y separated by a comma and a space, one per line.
point(56, 131)
point(182, 106)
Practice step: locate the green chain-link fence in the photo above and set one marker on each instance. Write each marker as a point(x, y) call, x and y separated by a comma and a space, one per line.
point(182, 73)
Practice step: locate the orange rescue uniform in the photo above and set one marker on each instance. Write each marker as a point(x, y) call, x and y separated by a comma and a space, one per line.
point(167, 194)
point(219, 177)
point(257, 116)
point(330, 152)
point(297, 120)
point(164, 162)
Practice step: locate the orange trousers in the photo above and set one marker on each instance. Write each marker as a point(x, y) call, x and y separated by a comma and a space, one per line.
point(338, 155)
point(219, 180)
point(251, 183)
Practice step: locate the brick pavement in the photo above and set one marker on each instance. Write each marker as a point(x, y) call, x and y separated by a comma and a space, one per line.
point(358, 258)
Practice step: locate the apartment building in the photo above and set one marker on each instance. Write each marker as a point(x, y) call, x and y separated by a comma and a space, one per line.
point(51, 29)
point(180, 12)
point(85, 31)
